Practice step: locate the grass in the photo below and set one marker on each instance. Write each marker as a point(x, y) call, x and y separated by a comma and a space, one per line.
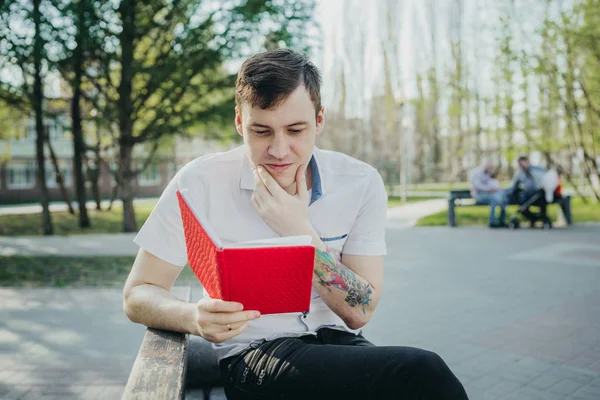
point(479, 215)
point(101, 221)
point(67, 224)
point(52, 271)
point(394, 201)
point(448, 186)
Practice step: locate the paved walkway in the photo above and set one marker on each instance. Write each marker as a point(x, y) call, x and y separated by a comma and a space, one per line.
point(61, 206)
point(514, 313)
point(406, 216)
point(87, 245)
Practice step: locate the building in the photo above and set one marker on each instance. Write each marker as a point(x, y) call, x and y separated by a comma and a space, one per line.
point(18, 166)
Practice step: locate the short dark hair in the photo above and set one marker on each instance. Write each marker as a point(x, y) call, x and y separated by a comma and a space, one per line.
point(523, 157)
point(267, 79)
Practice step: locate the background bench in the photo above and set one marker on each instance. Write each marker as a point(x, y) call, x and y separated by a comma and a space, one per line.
point(164, 362)
point(462, 197)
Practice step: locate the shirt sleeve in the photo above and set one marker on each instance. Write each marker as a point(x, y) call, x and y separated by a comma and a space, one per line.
point(515, 182)
point(367, 236)
point(162, 233)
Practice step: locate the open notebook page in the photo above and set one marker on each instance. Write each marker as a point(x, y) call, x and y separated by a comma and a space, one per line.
point(303, 240)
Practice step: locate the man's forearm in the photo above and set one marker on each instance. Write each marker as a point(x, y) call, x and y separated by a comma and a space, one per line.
point(347, 294)
point(156, 307)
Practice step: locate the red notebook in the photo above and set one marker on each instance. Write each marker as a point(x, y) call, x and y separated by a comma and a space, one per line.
point(271, 276)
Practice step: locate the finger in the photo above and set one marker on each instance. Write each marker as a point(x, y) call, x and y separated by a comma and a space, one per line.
point(261, 195)
point(223, 336)
point(213, 329)
point(232, 326)
point(301, 188)
point(255, 203)
point(261, 188)
point(232, 318)
point(270, 183)
point(218, 305)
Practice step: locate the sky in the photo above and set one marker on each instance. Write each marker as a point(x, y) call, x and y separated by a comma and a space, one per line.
point(369, 25)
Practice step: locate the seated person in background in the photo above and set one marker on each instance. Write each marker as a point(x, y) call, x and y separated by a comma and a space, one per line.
point(528, 181)
point(486, 190)
point(279, 184)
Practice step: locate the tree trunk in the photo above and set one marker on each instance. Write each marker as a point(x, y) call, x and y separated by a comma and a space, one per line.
point(126, 142)
point(113, 196)
point(95, 181)
point(38, 94)
point(59, 178)
point(78, 143)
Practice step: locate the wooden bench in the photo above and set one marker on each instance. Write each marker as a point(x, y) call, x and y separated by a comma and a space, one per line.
point(463, 197)
point(164, 362)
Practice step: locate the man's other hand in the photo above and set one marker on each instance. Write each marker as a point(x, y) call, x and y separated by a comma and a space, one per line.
point(284, 213)
point(218, 320)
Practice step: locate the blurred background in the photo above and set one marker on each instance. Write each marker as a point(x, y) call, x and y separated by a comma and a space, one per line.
point(101, 102)
point(106, 100)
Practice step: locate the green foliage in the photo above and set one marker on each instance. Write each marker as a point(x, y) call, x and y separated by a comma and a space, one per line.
point(12, 121)
point(180, 85)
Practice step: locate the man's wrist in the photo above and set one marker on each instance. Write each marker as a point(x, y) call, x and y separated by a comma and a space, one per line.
point(309, 230)
point(317, 242)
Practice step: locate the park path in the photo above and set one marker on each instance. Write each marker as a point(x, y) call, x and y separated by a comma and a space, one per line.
point(515, 315)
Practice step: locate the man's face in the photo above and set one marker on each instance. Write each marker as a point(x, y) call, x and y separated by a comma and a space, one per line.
point(281, 139)
point(523, 164)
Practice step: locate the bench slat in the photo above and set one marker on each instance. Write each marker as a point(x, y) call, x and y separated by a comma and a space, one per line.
point(159, 369)
point(457, 197)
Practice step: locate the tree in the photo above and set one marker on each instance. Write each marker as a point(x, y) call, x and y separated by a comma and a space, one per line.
point(171, 76)
point(25, 49)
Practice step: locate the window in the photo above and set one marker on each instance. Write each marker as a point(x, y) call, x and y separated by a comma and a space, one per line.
point(150, 176)
point(20, 174)
point(65, 169)
point(54, 128)
point(29, 132)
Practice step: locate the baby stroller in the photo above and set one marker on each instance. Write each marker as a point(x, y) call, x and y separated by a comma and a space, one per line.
point(535, 199)
point(539, 198)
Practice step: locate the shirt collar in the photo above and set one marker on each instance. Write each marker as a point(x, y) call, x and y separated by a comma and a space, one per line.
point(247, 176)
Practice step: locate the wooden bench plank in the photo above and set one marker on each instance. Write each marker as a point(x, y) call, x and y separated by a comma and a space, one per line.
point(159, 369)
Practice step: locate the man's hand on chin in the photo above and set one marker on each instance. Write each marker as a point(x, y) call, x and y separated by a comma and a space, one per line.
point(284, 213)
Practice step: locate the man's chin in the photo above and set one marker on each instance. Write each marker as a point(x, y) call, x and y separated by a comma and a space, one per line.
point(286, 183)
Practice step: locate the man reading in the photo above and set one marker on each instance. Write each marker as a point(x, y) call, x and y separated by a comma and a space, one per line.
point(279, 184)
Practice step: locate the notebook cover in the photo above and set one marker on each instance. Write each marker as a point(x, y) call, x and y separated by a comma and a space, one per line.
point(201, 252)
point(268, 279)
point(271, 280)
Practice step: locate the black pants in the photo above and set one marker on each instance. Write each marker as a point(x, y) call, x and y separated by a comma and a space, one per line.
point(338, 365)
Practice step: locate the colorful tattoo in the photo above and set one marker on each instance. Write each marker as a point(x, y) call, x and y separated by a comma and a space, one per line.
point(332, 273)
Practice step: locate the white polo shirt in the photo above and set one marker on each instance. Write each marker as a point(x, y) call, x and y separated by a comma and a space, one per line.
point(347, 209)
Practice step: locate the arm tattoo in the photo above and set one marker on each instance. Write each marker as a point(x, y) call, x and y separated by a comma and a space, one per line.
point(332, 273)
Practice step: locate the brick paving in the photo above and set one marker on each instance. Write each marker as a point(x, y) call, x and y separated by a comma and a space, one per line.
point(515, 314)
point(511, 320)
